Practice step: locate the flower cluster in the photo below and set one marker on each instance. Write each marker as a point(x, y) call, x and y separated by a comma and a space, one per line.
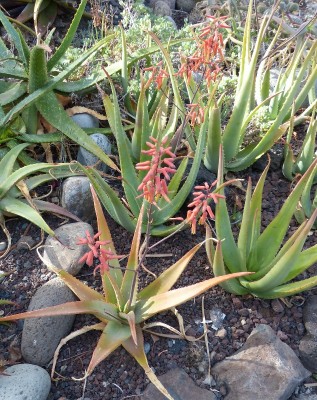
point(206, 58)
point(154, 183)
point(196, 114)
point(201, 208)
point(96, 252)
point(158, 73)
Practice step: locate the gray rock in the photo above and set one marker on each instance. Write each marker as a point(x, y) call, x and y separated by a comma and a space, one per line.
point(85, 120)
point(310, 315)
point(65, 253)
point(180, 386)
point(171, 3)
point(77, 198)
point(89, 159)
point(41, 336)
point(163, 9)
point(3, 246)
point(308, 352)
point(25, 382)
point(185, 5)
point(305, 396)
point(264, 368)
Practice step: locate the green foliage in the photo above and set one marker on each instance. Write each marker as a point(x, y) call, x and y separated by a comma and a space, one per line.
point(273, 263)
point(16, 182)
point(153, 119)
point(308, 202)
point(35, 95)
point(43, 12)
point(252, 95)
point(122, 309)
point(292, 165)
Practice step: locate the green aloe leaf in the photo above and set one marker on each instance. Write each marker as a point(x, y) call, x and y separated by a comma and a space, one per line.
point(284, 265)
point(211, 159)
point(12, 93)
point(289, 289)
point(137, 352)
point(164, 301)
point(130, 179)
point(50, 108)
point(8, 161)
point(52, 83)
point(110, 286)
point(232, 256)
point(110, 200)
point(18, 207)
point(218, 267)
point(169, 277)
point(129, 286)
point(142, 124)
point(68, 38)
point(305, 260)
point(82, 291)
point(21, 173)
point(101, 309)
point(271, 238)
point(15, 37)
point(111, 338)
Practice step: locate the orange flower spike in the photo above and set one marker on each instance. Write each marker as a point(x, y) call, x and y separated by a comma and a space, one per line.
point(202, 209)
point(153, 185)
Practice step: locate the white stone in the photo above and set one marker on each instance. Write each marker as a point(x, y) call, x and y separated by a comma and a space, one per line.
point(24, 382)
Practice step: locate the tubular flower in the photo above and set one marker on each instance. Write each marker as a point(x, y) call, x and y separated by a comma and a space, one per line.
point(157, 76)
point(96, 252)
point(195, 114)
point(154, 183)
point(201, 208)
point(209, 53)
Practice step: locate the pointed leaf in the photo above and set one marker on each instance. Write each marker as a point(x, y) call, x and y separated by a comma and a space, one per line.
point(129, 285)
point(164, 301)
point(100, 309)
point(18, 207)
point(169, 277)
point(112, 337)
point(137, 351)
point(288, 290)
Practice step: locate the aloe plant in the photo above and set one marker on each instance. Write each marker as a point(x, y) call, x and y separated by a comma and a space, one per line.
point(16, 184)
point(161, 130)
point(31, 67)
point(122, 309)
point(273, 263)
point(252, 94)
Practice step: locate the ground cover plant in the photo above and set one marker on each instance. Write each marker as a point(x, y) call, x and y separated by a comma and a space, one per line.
point(168, 113)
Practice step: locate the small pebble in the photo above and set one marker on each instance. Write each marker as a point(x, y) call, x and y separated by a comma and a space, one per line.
point(3, 246)
point(147, 347)
point(221, 334)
